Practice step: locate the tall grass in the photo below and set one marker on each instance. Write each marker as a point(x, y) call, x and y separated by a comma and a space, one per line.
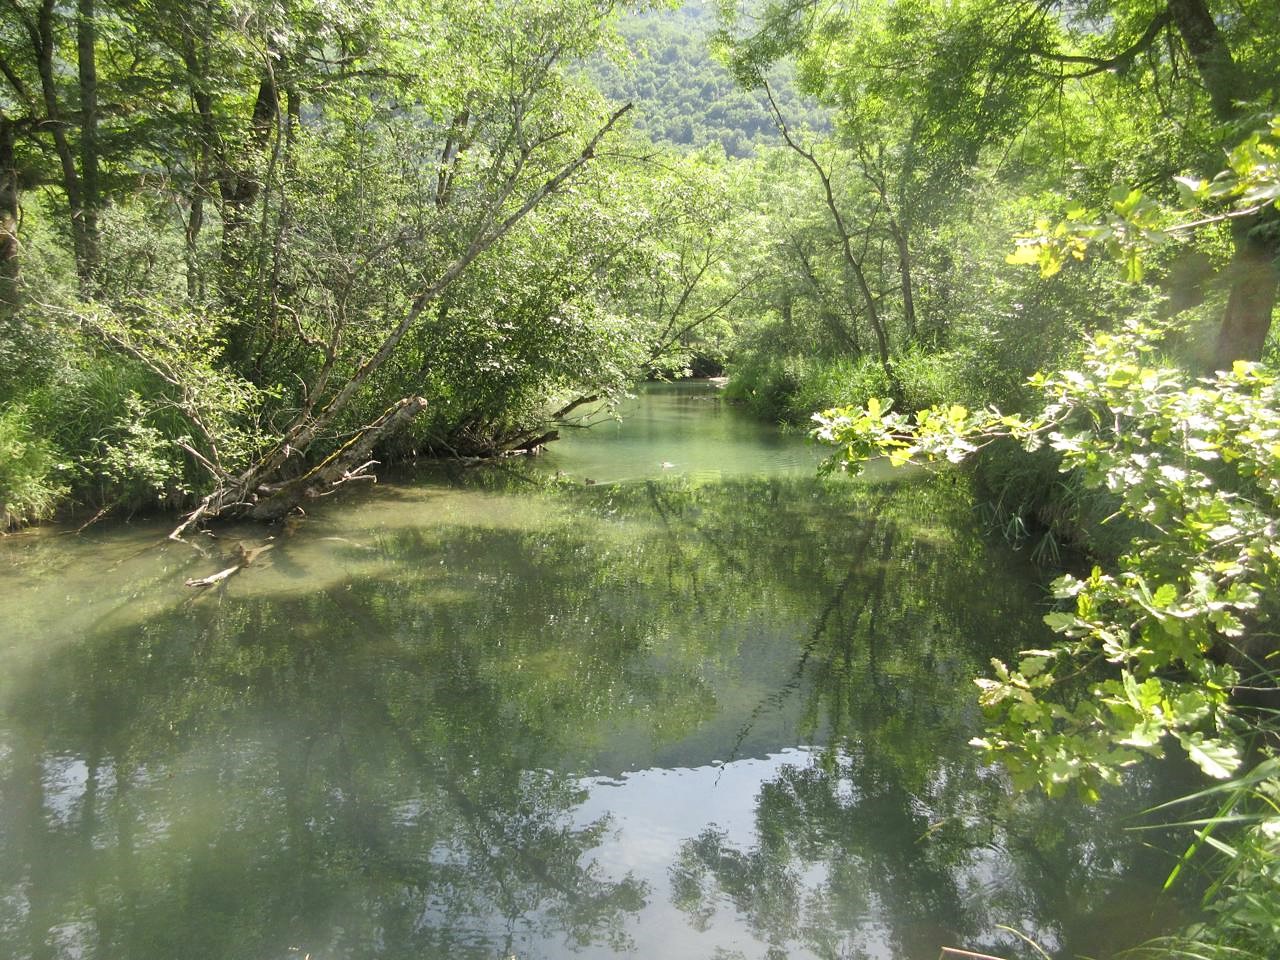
point(119, 433)
point(29, 488)
point(791, 388)
point(1236, 844)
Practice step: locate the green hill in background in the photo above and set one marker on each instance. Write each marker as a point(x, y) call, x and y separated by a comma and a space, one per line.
point(684, 97)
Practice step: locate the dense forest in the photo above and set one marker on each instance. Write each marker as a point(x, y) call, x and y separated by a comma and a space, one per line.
point(250, 250)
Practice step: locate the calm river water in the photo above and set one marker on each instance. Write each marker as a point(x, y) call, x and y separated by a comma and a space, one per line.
point(713, 709)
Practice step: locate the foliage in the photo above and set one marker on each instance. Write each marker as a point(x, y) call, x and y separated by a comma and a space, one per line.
point(1243, 896)
point(1196, 463)
point(1031, 502)
point(686, 98)
point(1174, 644)
point(29, 488)
point(283, 220)
point(1135, 224)
point(789, 388)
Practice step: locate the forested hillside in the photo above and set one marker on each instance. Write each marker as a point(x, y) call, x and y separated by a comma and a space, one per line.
point(683, 95)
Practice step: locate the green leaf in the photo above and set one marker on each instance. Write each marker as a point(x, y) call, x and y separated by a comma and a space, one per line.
point(1024, 254)
point(1216, 758)
point(1060, 622)
point(1133, 268)
point(1032, 666)
point(1190, 190)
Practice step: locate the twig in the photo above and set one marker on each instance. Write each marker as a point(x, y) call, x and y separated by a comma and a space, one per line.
point(957, 952)
point(218, 577)
point(95, 518)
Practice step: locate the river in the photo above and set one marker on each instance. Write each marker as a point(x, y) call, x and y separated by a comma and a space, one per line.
point(707, 705)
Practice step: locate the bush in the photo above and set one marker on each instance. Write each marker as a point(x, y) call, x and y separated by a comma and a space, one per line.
point(29, 490)
point(837, 382)
point(85, 413)
point(766, 385)
point(790, 389)
point(1192, 463)
point(1029, 500)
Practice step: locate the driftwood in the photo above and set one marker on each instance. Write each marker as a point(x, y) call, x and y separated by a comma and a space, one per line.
point(527, 445)
point(248, 495)
point(213, 578)
point(247, 556)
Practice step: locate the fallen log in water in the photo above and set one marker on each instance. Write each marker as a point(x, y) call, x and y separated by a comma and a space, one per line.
point(349, 462)
point(247, 556)
point(252, 494)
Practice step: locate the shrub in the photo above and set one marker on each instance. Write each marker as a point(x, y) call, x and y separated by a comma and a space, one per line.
point(29, 490)
point(766, 385)
point(1029, 500)
point(837, 382)
point(1192, 463)
point(788, 389)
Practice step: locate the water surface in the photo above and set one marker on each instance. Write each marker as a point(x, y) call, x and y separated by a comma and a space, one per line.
point(718, 708)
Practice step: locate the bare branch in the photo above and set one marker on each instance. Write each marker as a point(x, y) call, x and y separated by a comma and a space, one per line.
point(854, 263)
point(1119, 63)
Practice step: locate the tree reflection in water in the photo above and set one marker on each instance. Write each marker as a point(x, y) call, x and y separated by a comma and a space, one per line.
point(895, 840)
point(375, 743)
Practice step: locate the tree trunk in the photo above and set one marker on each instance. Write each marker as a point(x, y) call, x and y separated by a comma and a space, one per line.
point(90, 191)
point(239, 183)
point(1217, 67)
point(852, 262)
point(1247, 320)
point(43, 43)
point(904, 272)
point(1252, 272)
point(845, 335)
point(193, 45)
point(348, 462)
point(846, 246)
point(873, 314)
point(9, 249)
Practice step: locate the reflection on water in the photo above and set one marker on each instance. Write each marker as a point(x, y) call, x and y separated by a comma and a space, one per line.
point(696, 714)
point(681, 429)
